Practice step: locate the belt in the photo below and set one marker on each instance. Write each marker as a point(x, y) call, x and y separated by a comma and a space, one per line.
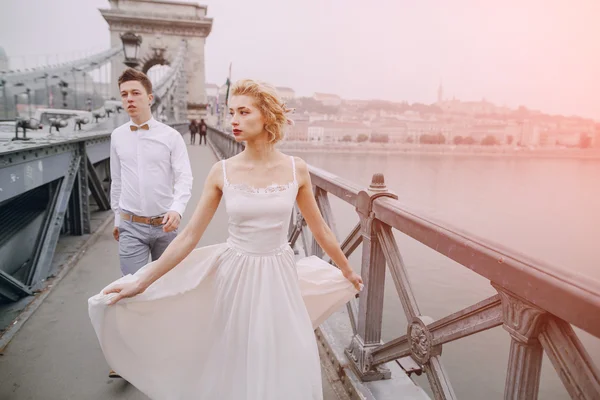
point(154, 221)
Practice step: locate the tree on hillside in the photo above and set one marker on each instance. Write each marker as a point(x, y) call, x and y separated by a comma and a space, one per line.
point(380, 138)
point(489, 140)
point(426, 109)
point(585, 141)
point(432, 139)
point(311, 105)
point(469, 140)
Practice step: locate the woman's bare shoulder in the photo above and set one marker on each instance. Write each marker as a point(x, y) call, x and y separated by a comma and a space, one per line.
point(301, 165)
point(297, 160)
point(215, 175)
point(234, 160)
point(302, 172)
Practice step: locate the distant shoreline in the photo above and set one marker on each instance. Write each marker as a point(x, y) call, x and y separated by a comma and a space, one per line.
point(427, 150)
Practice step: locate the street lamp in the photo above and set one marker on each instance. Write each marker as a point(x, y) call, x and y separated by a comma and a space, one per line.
point(4, 99)
point(51, 95)
point(73, 70)
point(131, 45)
point(21, 84)
point(63, 90)
point(28, 91)
point(47, 89)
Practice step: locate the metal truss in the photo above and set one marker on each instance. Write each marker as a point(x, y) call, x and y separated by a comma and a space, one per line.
point(45, 191)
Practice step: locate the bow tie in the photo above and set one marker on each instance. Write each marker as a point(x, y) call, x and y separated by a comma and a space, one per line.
point(135, 128)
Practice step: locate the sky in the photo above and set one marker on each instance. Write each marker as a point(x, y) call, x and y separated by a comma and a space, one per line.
point(544, 54)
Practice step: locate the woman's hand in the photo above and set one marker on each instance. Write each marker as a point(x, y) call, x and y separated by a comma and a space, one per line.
point(354, 278)
point(124, 290)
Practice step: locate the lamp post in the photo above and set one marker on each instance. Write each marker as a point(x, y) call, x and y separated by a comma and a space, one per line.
point(28, 92)
point(92, 97)
point(4, 99)
point(18, 84)
point(63, 90)
point(51, 97)
point(75, 86)
point(47, 90)
point(131, 46)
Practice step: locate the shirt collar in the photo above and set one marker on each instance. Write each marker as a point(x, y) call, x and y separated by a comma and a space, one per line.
point(150, 123)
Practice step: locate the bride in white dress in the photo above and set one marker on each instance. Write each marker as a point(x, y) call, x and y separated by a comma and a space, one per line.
point(232, 321)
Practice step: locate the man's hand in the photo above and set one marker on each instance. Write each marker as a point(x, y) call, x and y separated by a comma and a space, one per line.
point(171, 221)
point(116, 233)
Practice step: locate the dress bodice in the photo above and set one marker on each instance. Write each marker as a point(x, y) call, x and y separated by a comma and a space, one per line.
point(259, 218)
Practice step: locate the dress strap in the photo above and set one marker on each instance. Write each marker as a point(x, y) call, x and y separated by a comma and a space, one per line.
point(294, 168)
point(225, 181)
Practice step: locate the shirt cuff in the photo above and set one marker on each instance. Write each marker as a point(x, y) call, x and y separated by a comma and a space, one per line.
point(178, 207)
point(117, 219)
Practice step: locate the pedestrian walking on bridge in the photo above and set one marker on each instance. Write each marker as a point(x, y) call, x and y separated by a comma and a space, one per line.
point(193, 131)
point(151, 178)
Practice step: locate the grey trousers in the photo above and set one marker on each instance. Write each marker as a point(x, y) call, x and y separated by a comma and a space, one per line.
point(139, 242)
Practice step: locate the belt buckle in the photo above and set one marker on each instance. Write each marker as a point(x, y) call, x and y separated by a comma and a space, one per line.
point(156, 221)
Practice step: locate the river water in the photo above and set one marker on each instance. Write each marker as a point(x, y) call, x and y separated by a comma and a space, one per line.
point(546, 209)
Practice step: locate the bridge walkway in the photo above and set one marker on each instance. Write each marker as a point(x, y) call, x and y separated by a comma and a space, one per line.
point(55, 355)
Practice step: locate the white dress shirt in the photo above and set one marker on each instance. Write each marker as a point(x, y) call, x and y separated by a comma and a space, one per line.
point(150, 170)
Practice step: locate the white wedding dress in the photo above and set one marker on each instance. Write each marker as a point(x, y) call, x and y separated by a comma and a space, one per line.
point(232, 321)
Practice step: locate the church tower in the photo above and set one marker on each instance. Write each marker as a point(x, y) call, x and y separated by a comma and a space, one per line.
point(440, 94)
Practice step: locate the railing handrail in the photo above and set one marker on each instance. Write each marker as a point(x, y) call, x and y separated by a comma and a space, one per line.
point(563, 289)
point(42, 143)
point(69, 138)
point(566, 294)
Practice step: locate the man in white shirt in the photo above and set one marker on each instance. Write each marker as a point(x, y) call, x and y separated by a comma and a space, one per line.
point(151, 178)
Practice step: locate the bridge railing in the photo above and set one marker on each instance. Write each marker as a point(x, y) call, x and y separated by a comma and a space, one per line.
point(223, 144)
point(535, 303)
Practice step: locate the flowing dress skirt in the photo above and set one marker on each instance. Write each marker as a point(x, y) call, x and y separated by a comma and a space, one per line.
point(224, 325)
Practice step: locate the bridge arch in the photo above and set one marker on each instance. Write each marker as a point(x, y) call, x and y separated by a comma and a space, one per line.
point(162, 26)
point(151, 61)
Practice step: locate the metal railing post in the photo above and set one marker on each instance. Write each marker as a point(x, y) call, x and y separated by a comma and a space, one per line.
point(370, 309)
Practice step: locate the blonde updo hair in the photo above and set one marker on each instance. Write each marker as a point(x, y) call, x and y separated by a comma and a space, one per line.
point(269, 103)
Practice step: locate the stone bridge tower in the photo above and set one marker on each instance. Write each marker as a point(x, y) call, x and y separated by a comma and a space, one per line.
point(162, 25)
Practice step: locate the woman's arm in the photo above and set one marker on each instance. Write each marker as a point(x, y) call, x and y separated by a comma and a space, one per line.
point(183, 244)
point(317, 225)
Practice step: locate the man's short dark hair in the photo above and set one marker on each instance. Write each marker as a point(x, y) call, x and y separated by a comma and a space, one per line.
point(131, 74)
